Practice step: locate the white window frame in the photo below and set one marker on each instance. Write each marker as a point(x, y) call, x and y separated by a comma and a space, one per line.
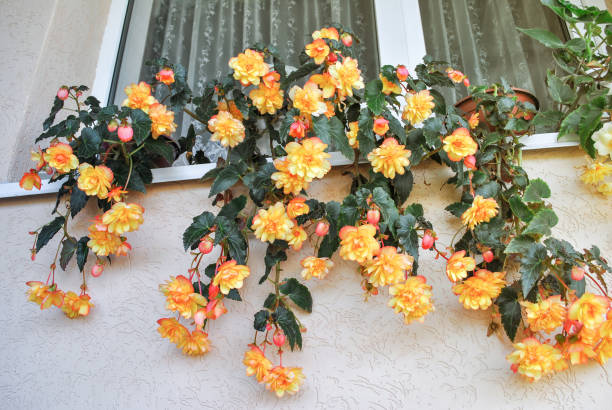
point(401, 41)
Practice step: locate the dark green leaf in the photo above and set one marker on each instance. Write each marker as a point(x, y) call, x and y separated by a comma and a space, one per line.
point(298, 293)
point(260, 320)
point(374, 96)
point(457, 208)
point(82, 250)
point(536, 191)
point(141, 124)
point(48, 232)
point(403, 185)
point(559, 91)
point(543, 36)
point(365, 136)
point(520, 209)
point(387, 207)
point(225, 179)
point(90, 142)
point(286, 320)
point(520, 244)
point(160, 147)
point(541, 222)
point(78, 200)
point(533, 263)
point(68, 249)
point(488, 190)
point(232, 209)
point(275, 253)
point(339, 138)
point(233, 294)
point(510, 311)
point(201, 226)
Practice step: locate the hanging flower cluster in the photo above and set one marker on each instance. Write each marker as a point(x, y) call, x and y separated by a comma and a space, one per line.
point(112, 152)
point(504, 261)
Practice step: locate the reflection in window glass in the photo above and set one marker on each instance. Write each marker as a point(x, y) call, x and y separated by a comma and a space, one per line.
point(203, 35)
point(479, 37)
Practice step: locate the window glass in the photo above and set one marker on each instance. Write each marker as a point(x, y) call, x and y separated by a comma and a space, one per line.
point(479, 37)
point(203, 35)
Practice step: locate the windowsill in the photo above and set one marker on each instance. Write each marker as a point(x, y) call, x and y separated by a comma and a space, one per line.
point(195, 172)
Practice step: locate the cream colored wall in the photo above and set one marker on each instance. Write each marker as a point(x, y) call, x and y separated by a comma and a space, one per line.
point(357, 355)
point(45, 44)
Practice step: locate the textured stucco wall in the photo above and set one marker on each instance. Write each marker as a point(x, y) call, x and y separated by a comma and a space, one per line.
point(357, 355)
point(45, 44)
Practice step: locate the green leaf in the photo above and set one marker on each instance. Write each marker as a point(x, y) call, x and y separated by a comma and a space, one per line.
point(331, 241)
point(298, 293)
point(78, 200)
point(225, 179)
point(90, 142)
point(232, 209)
point(211, 270)
point(286, 320)
point(576, 45)
point(365, 136)
point(201, 226)
point(270, 301)
point(237, 246)
point(48, 232)
point(547, 120)
point(433, 129)
point(68, 249)
point(374, 96)
point(516, 124)
point(260, 320)
point(536, 191)
point(387, 207)
point(320, 126)
point(520, 244)
point(520, 209)
point(339, 138)
point(57, 106)
point(160, 147)
point(488, 190)
point(541, 222)
point(457, 208)
point(543, 36)
point(408, 237)
point(510, 311)
point(403, 185)
point(141, 124)
point(275, 253)
point(395, 126)
point(489, 233)
point(559, 91)
point(233, 294)
point(82, 250)
point(570, 123)
point(299, 73)
point(532, 265)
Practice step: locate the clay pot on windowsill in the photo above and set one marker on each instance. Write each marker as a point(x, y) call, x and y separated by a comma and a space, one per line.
point(468, 105)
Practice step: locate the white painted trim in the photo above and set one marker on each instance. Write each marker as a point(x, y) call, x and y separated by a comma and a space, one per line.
point(109, 50)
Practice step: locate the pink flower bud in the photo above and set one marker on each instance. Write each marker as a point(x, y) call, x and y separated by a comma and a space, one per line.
point(466, 82)
point(332, 58)
point(62, 93)
point(97, 270)
point(373, 216)
point(206, 245)
point(347, 39)
point(470, 162)
point(322, 229)
point(279, 338)
point(125, 133)
point(79, 93)
point(402, 73)
point(488, 256)
point(428, 241)
point(213, 291)
point(577, 273)
point(112, 126)
point(199, 317)
point(268, 326)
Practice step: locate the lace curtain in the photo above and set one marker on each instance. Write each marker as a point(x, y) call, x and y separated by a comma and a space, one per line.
point(204, 34)
point(479, 37)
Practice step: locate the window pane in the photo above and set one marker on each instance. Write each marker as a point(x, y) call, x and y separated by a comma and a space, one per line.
point(203, 35)
point(479, 37)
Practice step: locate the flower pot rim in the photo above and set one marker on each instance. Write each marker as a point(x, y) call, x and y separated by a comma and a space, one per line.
point(515, 89)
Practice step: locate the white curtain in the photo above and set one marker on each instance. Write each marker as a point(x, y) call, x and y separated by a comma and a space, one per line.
point(479, 37)
point(203, 35)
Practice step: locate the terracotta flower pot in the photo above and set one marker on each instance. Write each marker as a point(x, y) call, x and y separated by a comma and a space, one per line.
point(468, 105)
